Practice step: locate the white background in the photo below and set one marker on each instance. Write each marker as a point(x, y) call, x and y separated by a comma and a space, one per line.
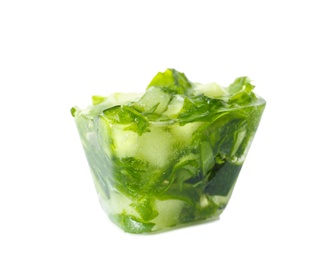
point(56, 54)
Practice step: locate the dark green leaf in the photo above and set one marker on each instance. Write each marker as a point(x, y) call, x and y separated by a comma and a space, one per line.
point(223, 177)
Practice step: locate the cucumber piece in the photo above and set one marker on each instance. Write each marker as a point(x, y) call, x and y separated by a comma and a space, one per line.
point(174, 106)
point(125, 141)
point(211, 90)
point(116, 98)
point(183, 134)
point(155, 100)
point(155, 146)
point(169, 212)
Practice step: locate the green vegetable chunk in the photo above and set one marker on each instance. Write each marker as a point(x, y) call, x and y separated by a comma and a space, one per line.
point(171, 156)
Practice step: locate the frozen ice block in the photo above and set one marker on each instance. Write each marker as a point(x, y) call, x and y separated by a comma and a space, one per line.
point(169, 157)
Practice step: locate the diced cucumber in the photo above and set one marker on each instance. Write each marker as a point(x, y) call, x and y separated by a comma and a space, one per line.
point(169, 211)
point(117, 204)
point(121, 98)
point(155, 146)
point(155, 100)
point(204, 201)
point(174, 106)
point(125, 141)
point(212, 90)
point(183, 134)
point(101, 103)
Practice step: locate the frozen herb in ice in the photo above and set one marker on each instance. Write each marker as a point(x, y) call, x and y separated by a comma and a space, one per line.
point(170, 156)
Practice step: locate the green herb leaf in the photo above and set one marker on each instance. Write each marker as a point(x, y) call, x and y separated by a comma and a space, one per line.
point(171, 81)
point(132, 224)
